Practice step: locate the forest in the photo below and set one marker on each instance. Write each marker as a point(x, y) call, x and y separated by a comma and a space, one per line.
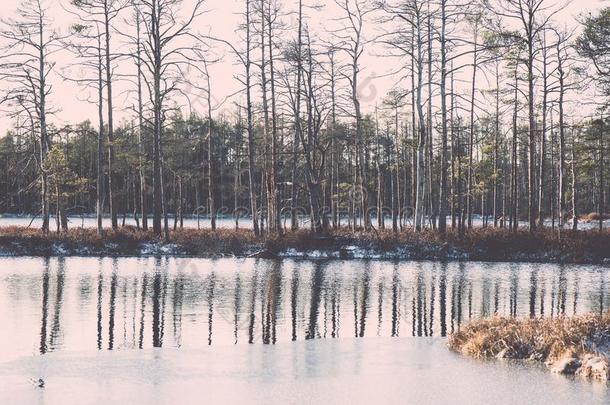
point(495, 114)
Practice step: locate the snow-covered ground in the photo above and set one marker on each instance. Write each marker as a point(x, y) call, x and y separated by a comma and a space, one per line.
point(89, 221)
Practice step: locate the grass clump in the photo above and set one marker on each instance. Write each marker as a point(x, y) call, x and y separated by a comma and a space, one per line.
point(574, 345)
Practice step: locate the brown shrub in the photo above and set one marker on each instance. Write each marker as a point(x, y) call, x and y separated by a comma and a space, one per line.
point(226, 241)
point(540, 339)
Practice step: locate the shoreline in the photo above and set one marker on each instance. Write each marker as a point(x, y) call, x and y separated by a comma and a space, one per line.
point(488, 245)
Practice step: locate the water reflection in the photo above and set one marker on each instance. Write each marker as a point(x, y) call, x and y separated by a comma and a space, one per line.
point(100, 286)
point(127, 303)
point(45, 307)
point(112, 305)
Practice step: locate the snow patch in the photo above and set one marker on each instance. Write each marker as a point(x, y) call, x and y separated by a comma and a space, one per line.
point(59, 249)
point(155, 248)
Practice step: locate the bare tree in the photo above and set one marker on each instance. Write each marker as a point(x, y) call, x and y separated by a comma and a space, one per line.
point(564, 61)
point(162, 57)
point(141, 133)
point(407, 39)
point(86, 44)
point(533, 16)
point(25, 67)
point(101, 13)
point(475, 21)
point(351, 40)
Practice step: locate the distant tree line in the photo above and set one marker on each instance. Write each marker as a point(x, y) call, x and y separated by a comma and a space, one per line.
point(487, 118)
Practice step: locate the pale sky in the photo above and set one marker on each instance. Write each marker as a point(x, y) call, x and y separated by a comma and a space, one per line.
point(222, 20)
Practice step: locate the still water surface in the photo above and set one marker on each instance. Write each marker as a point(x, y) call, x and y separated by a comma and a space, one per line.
point(133, 314)
point(135, 303)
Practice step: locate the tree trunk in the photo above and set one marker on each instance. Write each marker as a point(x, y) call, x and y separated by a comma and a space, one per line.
point(100, 148)
point(496, 146)
point(430, 158)
point(251, 150)
point(513, 188)
point(574, 193)
point(542, 172)
point(273, 191)
point(442, 191)
point(562, 141)
point(469, 191)
point(601, 176)
point(111, 175)
point(141, 150)
point(44, 137)
point(157, 126)
point(531, 182)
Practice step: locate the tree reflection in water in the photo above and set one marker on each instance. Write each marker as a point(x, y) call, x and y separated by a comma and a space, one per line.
point(237, 301)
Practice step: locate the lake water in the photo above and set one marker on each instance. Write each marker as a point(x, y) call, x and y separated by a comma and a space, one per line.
point(160, 330)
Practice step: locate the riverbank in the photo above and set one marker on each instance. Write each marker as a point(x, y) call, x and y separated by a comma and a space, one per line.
point(478, 244)
point(578, 345)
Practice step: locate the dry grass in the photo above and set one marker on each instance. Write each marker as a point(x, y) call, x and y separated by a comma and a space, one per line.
point(126, 240)
point(594, 216)
point(74, 236)
point(574, 246)
point(476, 244)
point(539, 339)
point(479, 243)
point(229, 241)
